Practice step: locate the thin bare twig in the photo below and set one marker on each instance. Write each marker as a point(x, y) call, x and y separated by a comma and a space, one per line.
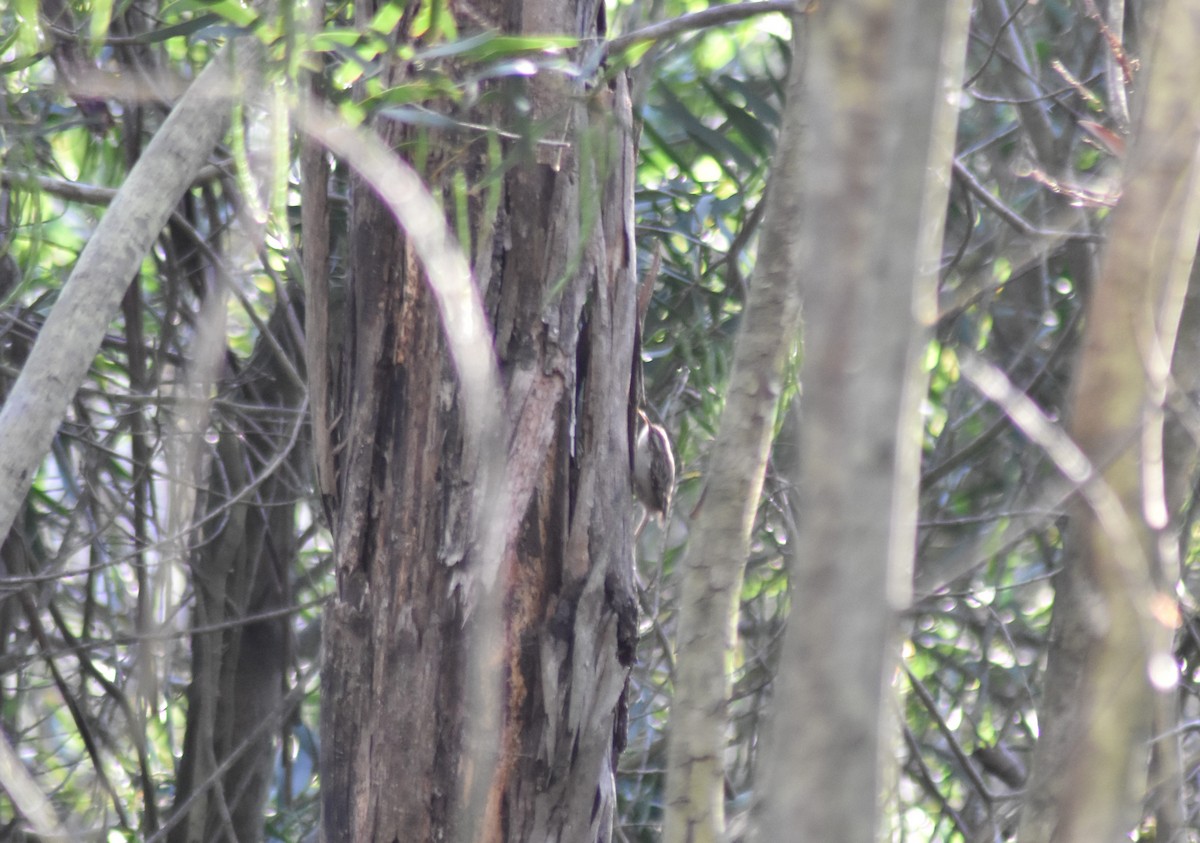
point(95, 195)
point(1010, 216)
point(955, 748)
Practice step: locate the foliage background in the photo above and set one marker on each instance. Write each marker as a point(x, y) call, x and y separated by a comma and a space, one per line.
point(96, 588)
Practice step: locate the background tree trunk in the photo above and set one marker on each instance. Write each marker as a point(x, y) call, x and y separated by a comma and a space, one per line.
point(240, 566)
point(724, 520)
point(1111, 633)
point(877, 170)
point(555, 259)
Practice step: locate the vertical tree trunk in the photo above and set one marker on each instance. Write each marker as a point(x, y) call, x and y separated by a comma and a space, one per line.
point(556, 265)
point(720, 539)
point(240, 566)
point(882, 127)
point(1110, 653)
point(1168, 766)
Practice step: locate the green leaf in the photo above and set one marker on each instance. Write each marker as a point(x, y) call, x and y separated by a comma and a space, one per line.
point(766, 111)
point(99, 21)
point(332, 38)
point(752, 129)
point(386, 18)
point(21, 62)
point(232, 11)
point(411, 92)
point(229, 10)
point(713, 142)
point(179, 30)
point(491, 45)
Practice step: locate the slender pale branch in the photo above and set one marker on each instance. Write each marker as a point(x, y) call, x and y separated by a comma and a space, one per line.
point(68, 342)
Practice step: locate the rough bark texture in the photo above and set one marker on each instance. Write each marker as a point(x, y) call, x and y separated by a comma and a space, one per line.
point(395, 761)
point(878, 104)
point(1110, 624)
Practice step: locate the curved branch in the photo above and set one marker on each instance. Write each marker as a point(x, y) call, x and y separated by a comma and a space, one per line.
point(64, 350)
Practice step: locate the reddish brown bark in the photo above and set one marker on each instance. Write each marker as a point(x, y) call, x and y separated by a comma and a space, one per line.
point(397, 632)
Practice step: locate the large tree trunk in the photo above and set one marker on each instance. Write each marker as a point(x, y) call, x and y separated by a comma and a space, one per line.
point(556, 265)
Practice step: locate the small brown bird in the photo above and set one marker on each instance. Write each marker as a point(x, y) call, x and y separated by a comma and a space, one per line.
point(653, 469)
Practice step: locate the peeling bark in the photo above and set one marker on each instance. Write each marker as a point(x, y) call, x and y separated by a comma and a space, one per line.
point(398, 763)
